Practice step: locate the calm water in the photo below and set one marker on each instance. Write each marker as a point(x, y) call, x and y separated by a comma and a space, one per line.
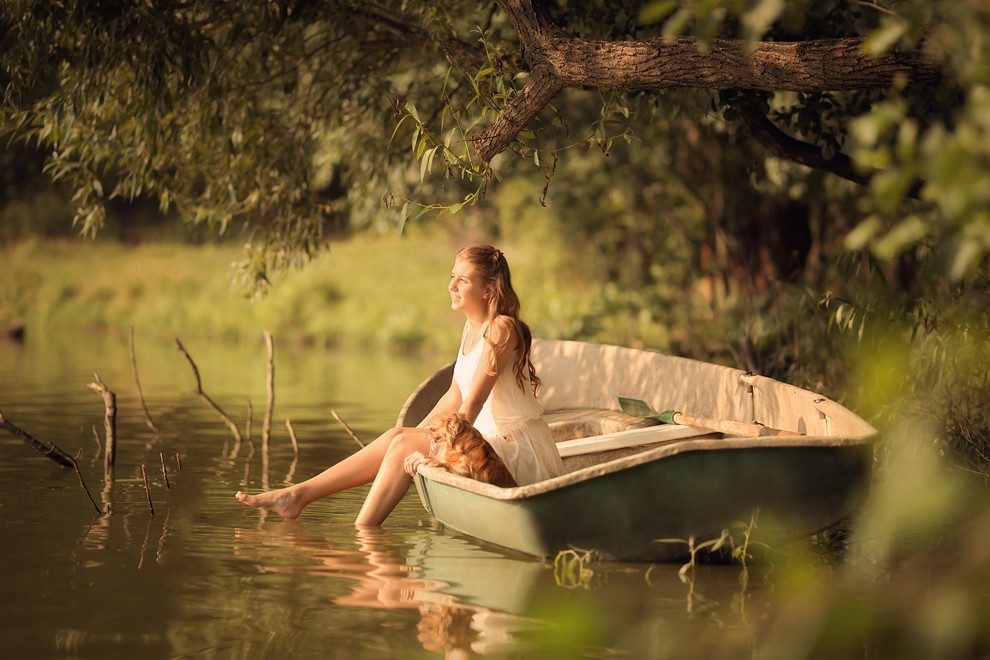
point(205, 575)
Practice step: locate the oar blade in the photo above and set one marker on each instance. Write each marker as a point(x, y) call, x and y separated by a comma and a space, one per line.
point(636, 408)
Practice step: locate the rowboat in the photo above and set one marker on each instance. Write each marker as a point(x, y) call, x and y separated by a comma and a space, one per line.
point(637, 490)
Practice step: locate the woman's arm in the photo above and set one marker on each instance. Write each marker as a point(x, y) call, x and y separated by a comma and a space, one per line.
point(451, 399)
point(449, 402)
point(502, 339)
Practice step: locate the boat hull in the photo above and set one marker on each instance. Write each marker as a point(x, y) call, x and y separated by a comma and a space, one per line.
point(642, 503)
point(794, 491)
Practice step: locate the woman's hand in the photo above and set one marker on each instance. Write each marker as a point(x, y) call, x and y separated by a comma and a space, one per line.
point(412, 463)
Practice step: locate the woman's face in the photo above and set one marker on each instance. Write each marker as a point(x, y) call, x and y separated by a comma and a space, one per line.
point(467, 291)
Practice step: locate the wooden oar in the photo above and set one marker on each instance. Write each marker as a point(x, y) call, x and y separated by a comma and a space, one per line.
point(637, 408)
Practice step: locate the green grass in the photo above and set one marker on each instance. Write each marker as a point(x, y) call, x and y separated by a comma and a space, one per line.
point(384, 290)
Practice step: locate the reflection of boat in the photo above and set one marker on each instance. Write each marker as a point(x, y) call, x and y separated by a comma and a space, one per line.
point(632, 485)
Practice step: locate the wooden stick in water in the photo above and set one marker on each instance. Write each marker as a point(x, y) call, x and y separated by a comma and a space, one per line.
point(137, 381)
point(164, 471)
point(292, 436)
point(109, 418)
point(51, 452)
point(346, 427)
point(247, 421)
point(82, 482)
point(178, 463)
point(199, 390)
point(147, 489)
point(266, 427)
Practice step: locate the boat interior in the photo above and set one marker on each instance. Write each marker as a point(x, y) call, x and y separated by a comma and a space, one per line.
point(582, 383)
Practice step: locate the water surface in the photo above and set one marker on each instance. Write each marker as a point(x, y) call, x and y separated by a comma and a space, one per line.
point(204, 575)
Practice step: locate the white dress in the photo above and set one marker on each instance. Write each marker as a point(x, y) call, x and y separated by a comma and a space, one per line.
point(511, 420)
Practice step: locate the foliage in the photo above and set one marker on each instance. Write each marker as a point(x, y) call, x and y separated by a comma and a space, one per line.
point(727, 544)
point(571, 568)
point(220, 112)
point(926, 145)
point(274, 119)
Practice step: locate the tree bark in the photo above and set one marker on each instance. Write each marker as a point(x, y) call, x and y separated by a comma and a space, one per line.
point(558, 60)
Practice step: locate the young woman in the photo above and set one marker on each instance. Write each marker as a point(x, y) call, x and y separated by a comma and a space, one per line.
point(494, 387)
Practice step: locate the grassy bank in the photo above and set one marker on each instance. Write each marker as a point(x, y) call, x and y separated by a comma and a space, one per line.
point(367, 291)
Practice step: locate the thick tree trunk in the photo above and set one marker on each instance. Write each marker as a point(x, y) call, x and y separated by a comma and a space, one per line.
point(558, 60)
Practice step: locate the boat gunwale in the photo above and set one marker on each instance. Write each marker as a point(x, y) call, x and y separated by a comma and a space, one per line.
point(667, 450)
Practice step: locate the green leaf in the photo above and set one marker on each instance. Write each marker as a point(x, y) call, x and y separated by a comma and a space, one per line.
point(864, 232)
point(397, 127)
point(676, 25)
point(759, 18)
point(889, 188)
point(655, 11)
point(906, 233)
point(961, 254)
point(425, 162)
point(886, 36)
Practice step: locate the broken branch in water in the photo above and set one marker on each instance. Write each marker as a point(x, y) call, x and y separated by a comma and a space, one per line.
point(137, 381)
point(82, 482)
point(51, 452)
point(147, 489)
point(346, 427)
point(266, 427)
point(199, 390)
point(250, 438)
point(292, 436)
point(164, 471)
point(109, 417)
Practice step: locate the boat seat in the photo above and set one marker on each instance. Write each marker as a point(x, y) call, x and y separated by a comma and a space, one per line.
point(574, 423)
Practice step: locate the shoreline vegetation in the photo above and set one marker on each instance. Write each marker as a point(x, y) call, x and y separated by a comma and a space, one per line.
point(167, 289)
point(346, 296)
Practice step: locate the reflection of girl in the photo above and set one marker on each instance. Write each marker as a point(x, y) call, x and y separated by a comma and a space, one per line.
point(494, 387)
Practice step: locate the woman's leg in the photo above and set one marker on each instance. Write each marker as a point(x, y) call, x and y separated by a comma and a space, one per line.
point(355, 470)
point(392, 482)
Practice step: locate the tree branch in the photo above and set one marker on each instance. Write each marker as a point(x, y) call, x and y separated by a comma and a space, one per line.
point(558, 60)
point(781, 145)
point(109, 418)
point(539, 91)
point(51, 452)
point(206, 399)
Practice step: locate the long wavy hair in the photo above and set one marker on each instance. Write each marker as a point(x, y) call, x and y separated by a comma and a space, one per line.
point(493, 269)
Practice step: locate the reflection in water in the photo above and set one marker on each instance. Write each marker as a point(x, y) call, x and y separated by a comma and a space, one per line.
point(415, 578)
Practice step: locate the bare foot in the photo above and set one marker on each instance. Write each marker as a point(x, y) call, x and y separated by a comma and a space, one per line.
point(284, 502)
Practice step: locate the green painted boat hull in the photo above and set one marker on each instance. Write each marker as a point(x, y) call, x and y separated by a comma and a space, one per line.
point(795, 491)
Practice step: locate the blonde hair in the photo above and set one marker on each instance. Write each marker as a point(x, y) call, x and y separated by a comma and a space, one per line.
point(503, 302)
